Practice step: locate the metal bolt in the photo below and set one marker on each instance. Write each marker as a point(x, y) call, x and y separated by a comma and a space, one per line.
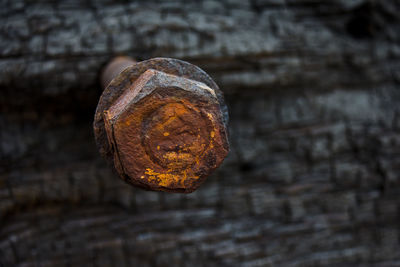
point(161, 123)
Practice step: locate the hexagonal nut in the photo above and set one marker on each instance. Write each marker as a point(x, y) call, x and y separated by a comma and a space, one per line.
point(166, 132)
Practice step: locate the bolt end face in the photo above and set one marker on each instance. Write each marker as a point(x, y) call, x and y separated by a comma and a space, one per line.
point(160, 124)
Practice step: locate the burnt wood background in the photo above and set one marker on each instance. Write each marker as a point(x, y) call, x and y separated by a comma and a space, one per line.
point(313, 176)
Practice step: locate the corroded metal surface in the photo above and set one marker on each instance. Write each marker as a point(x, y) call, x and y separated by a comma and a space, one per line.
point(160, 123)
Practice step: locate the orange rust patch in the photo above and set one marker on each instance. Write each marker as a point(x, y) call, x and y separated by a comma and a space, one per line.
point(173, 138)
point(167, 179)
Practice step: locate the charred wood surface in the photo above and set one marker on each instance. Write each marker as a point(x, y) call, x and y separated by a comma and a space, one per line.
point(313, 176)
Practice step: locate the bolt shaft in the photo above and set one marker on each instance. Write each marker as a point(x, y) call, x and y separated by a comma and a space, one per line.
point(114, 68)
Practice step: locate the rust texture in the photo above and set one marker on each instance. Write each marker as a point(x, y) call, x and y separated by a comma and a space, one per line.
point(162, 123)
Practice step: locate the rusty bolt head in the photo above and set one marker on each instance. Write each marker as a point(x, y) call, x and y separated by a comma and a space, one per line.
point(164, 130)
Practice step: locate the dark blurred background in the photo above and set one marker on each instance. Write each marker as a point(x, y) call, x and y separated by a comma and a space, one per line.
point(313, 176)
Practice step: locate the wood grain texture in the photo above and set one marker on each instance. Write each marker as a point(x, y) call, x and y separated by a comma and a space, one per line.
point(312, 178)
